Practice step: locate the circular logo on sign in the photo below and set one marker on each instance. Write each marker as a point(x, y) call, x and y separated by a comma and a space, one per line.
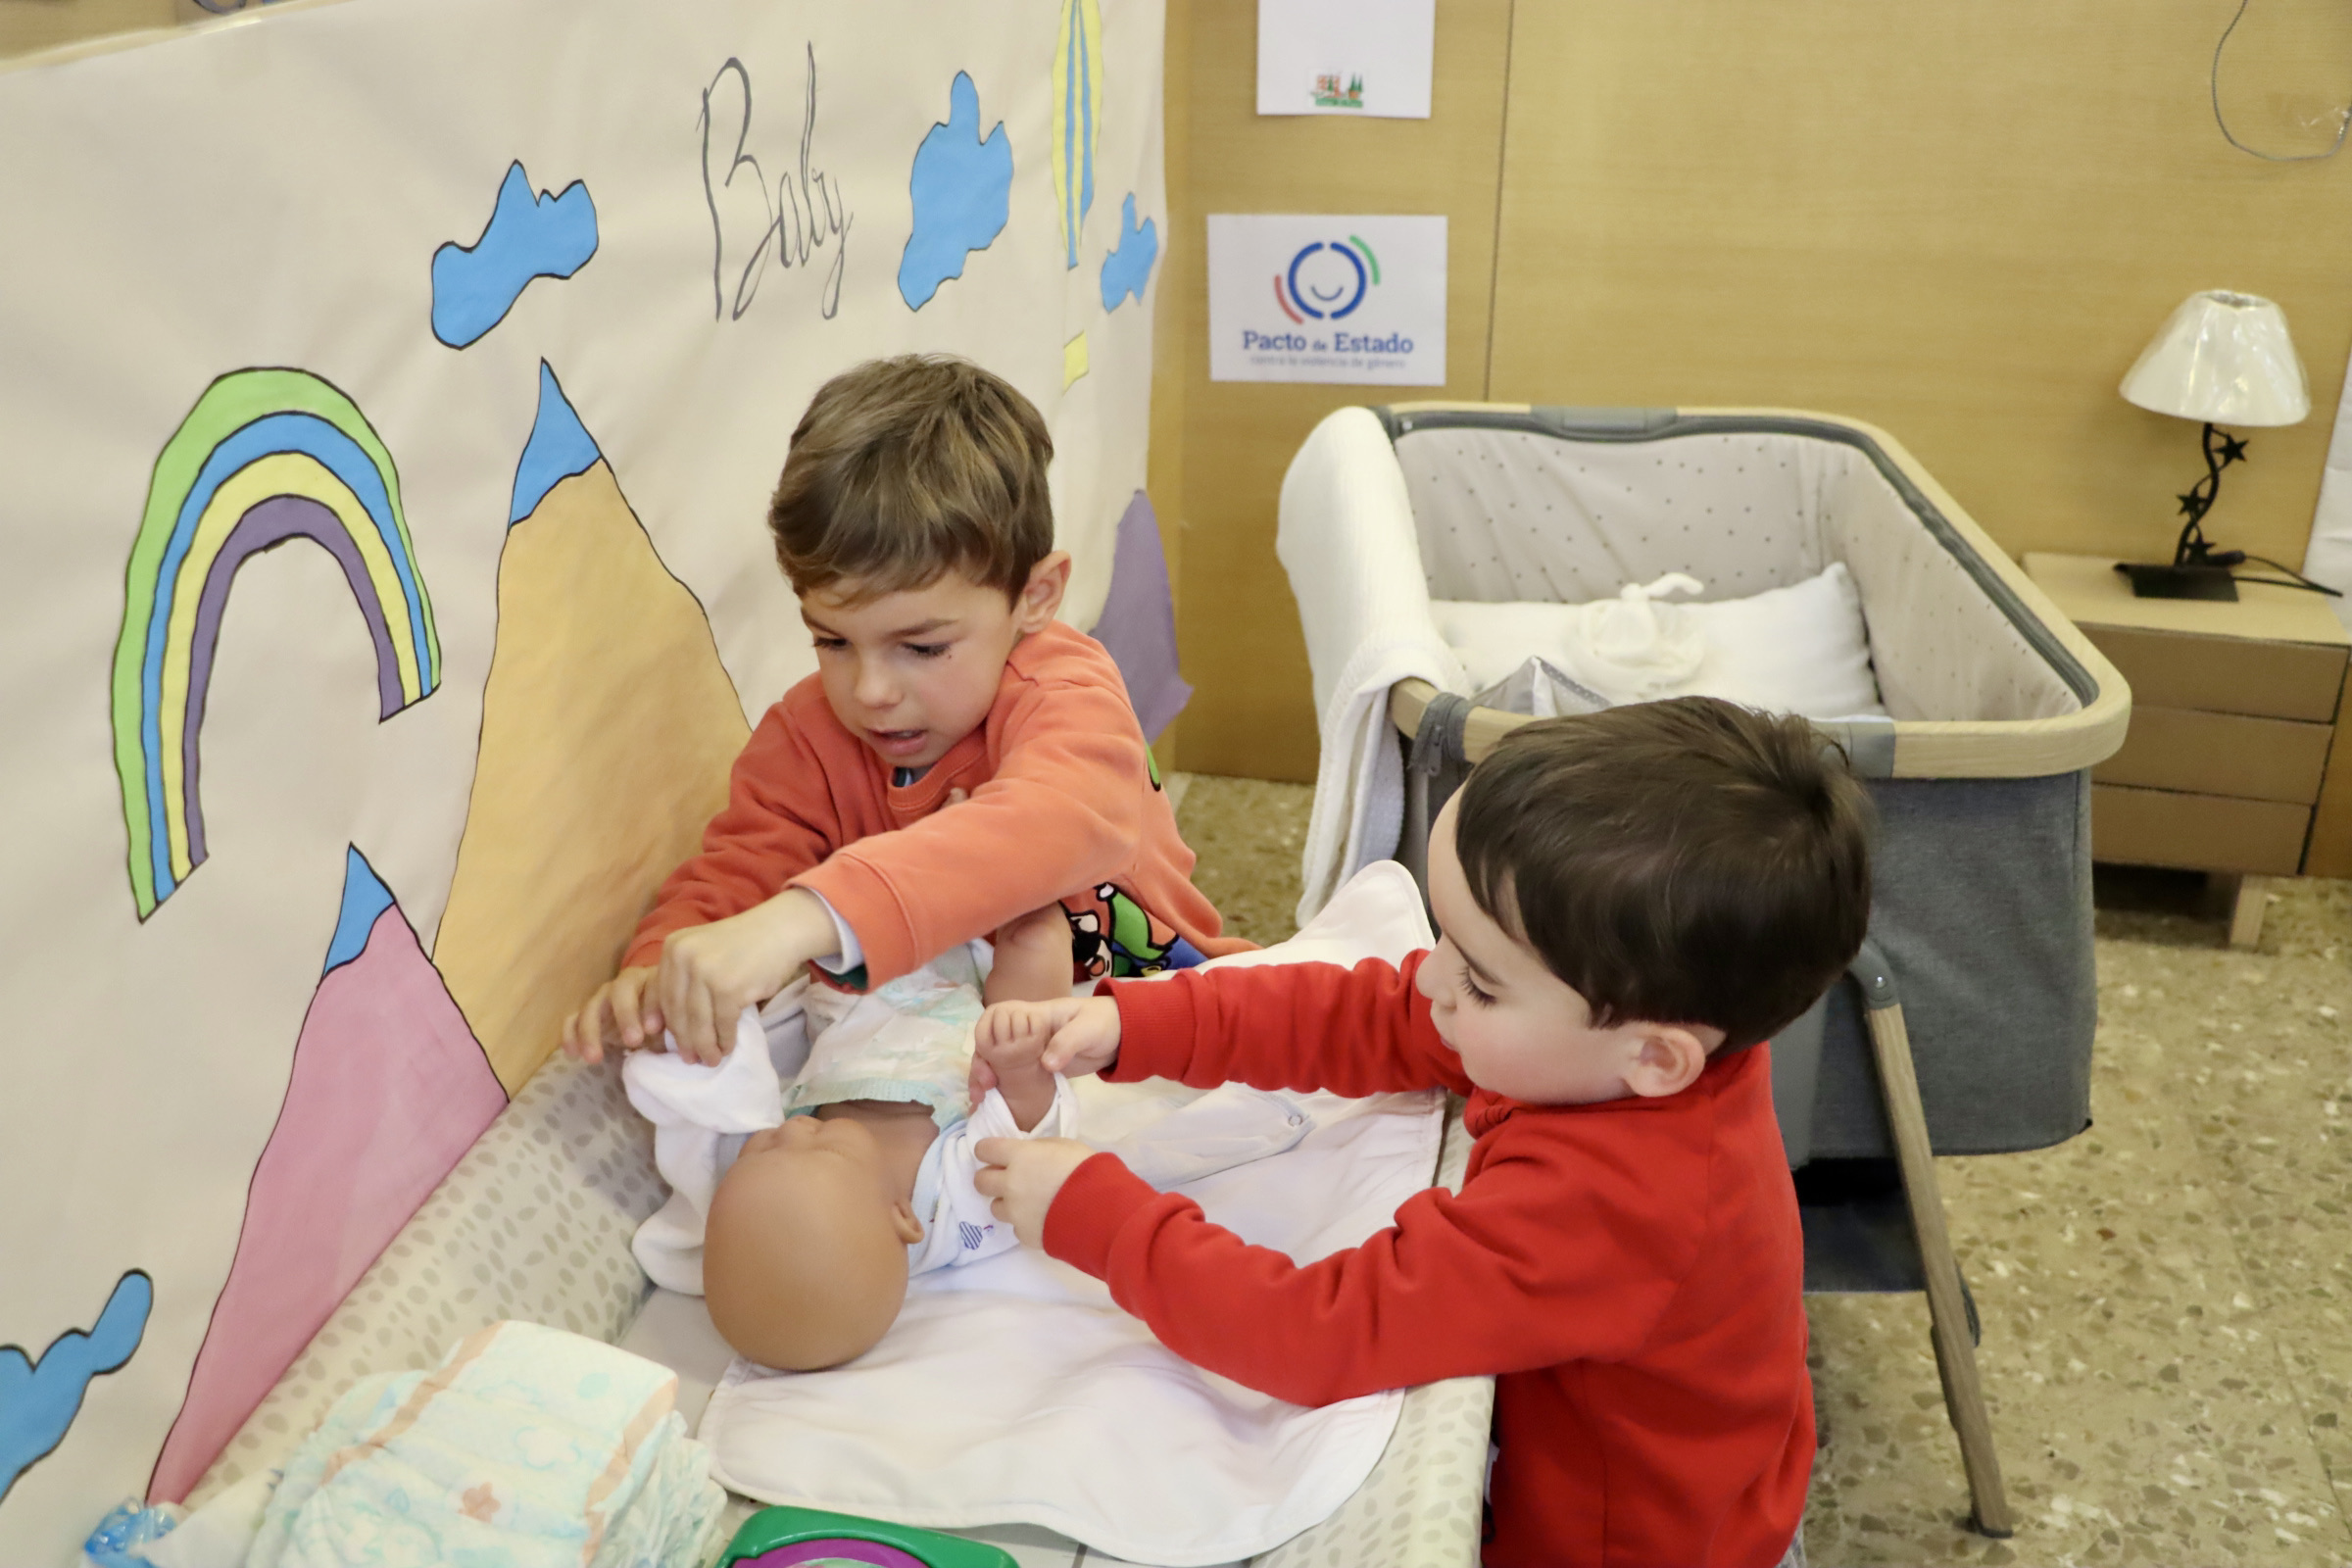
point(1326, 280)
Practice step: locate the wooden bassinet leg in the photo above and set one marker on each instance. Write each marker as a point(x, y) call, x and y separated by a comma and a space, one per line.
point(1947, 1309)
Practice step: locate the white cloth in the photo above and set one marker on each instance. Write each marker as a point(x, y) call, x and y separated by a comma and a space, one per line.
point(1802, 648)
point(959, 1227)
point(1346, 537)
point(1636, 646)
point(1016, 1391)
point(1535, 688)
point(702, 1115)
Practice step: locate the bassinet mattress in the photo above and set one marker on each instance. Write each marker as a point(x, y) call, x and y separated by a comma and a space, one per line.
point(535, 1221)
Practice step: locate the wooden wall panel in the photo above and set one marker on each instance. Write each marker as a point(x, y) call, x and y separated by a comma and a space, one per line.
point(27, 26)
point(1253, 710)
point(1959, 221)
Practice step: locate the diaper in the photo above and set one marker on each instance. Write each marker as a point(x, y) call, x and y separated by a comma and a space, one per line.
point(909, 1039)
point(526, 1447)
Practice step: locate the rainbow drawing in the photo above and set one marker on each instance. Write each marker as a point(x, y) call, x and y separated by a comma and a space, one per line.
point(1077, 114)
point(265, 456)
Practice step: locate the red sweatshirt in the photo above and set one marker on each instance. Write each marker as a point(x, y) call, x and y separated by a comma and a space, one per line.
point(1630, 1271)
point(1066, 807)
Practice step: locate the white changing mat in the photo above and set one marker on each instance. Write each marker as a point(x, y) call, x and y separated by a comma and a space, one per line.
point(1013, 1391)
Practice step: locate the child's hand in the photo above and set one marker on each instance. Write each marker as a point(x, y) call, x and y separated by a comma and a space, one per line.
point(619, 1014)
point(1022, 1175)
point(1070, 1034)
point(710, 973)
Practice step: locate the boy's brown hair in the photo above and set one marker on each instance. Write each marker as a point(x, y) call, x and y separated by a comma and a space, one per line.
point(1682, 862)
point(905, 470)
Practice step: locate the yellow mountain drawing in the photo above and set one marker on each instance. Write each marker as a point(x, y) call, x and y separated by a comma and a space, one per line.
point(608, 725)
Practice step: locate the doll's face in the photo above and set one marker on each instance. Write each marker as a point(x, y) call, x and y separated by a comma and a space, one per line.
point(805, 1253)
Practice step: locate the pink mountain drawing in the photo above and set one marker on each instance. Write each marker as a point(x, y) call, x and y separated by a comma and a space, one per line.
point(389, 1089)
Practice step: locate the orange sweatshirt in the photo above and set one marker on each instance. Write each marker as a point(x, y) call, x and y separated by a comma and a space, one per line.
point(1066, 807)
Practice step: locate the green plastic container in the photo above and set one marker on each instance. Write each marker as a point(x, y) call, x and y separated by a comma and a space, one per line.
point(810, 1538)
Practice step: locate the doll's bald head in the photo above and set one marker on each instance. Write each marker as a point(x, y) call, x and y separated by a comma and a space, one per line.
point(805, 1253)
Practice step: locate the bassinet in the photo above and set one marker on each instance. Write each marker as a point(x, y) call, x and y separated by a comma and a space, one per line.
point(1982, 778)
point(1982, 774)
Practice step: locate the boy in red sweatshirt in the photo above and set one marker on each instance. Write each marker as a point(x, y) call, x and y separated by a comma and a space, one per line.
point(913, 523)
point(1632, 902)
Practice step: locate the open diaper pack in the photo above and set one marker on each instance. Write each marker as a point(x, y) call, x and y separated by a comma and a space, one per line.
point(523, 1447)
point(1011, 1389)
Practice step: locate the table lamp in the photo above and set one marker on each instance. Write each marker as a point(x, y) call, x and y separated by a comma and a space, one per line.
point(2223, 358)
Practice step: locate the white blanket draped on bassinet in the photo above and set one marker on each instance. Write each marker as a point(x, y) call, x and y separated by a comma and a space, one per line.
point(1346, 539)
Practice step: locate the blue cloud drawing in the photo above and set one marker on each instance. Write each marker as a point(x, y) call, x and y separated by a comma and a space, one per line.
point(1128, 267)
point(527, 236)
point(558, 448)
point(963, 191)
point(39, 1399)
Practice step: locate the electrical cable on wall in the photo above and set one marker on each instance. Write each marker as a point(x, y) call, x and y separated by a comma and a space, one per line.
point(2343, 116)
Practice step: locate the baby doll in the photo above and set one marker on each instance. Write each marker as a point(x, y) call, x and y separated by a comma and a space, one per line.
point(814, 1231)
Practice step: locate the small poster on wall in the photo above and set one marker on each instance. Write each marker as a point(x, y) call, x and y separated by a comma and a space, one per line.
point(1345, 57)
point(1327, 297)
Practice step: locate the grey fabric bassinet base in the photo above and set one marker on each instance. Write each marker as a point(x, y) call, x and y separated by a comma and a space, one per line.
point(1981, 902)
point(1981, 894)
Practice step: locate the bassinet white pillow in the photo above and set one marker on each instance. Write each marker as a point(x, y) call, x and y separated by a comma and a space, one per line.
point(1803, 648)
point(1493, 640)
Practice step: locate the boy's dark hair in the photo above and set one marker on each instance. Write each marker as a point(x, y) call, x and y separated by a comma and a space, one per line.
point(1682, 862)
point(905, 469)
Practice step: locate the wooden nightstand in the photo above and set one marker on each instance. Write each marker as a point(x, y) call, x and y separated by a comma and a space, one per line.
point(2233, 710)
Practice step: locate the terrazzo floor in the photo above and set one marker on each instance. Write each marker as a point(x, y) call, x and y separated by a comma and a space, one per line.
point(2167, 1299)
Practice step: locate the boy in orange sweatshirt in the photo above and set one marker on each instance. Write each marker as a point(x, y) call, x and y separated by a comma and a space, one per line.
point(1632, 902)
point(913, 523)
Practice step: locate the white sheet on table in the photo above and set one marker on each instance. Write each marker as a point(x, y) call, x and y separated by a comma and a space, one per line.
point(1014, 1392)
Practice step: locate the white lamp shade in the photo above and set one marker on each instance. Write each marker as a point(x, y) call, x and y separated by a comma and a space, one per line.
point(2223, 358)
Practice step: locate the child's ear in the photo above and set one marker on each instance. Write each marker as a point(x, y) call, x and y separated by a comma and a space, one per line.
point(1666, 1060)
point(903, 1220)
point(1041, 595)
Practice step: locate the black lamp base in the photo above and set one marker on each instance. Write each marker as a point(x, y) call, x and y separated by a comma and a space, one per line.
point(2198, 570)
point(2179, 582)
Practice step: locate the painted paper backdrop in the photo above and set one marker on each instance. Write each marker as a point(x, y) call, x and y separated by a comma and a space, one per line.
point(389, 396)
